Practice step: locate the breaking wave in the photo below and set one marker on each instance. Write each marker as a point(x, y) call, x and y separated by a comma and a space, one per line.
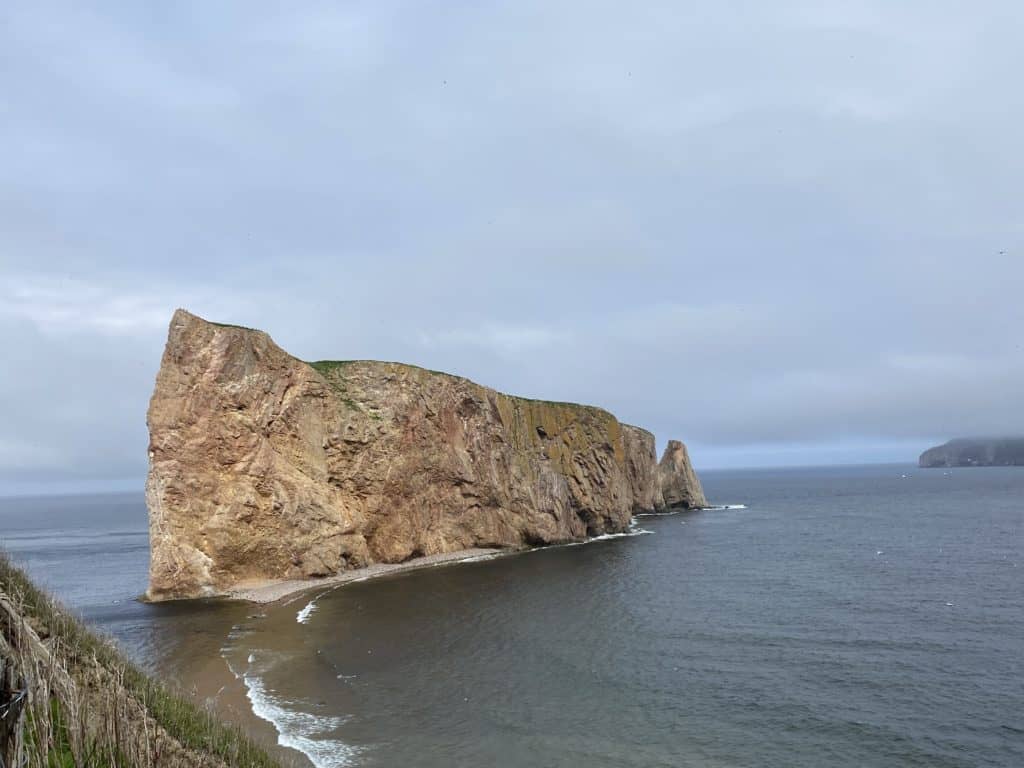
point(633, 531)
point(302, 731)
point(303, 616)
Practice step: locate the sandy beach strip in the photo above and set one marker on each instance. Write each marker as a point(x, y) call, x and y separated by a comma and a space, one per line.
point(273, 590)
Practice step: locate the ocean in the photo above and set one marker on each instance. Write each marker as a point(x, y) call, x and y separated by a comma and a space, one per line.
point(842, 616)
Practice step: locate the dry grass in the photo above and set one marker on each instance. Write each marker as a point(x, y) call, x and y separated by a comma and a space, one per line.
point(69, 698)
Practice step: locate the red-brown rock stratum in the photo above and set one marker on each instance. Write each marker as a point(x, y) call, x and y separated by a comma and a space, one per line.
point(264, 467)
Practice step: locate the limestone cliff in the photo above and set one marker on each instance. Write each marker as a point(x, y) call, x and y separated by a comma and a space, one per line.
point(263, 466)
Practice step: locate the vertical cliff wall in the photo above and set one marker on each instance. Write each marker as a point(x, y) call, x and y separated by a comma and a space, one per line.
point(263, 466)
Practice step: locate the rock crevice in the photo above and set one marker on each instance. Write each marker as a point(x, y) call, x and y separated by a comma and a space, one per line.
point(263, 466)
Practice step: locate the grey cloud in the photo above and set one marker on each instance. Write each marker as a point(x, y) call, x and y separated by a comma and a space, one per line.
point(780, 231)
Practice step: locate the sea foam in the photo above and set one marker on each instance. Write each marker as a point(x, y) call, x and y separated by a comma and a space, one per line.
point(301, 731)
point(303, 616)
point(633, 531)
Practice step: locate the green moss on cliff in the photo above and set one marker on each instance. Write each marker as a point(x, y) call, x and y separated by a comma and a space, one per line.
point(333, 372)
point(328, 366)
point(561, 430)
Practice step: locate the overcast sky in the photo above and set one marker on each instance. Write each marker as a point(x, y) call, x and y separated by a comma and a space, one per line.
point(785, 232)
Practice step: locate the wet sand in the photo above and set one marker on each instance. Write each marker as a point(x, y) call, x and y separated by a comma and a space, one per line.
point(211, 684)
point(273, 590)
point(199, 671)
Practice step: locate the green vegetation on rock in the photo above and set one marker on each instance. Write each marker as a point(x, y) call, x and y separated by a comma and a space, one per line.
point(237, 327)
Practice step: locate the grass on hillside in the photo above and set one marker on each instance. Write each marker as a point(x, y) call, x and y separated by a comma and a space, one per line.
point(85, 704)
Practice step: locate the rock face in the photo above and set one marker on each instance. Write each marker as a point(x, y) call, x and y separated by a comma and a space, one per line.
point(979, 452)
point(677, 478)
point(265, 467)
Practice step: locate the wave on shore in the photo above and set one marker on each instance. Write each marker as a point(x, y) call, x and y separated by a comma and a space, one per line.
point(309, 733)
point(678, 510)
point(303, 616)
point(302, 731)
point(634, 530)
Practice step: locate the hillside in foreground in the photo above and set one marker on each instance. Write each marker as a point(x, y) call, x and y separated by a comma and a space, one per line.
point(70, 699)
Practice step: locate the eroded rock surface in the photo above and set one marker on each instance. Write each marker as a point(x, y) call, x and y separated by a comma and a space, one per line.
point(264, 467)
point(677, 478)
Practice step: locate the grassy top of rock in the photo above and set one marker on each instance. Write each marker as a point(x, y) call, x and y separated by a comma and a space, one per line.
point(330, 368)
point(560, 429)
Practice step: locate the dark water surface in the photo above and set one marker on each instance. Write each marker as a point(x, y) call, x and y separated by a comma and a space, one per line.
point(864, 616)
point(92, 552)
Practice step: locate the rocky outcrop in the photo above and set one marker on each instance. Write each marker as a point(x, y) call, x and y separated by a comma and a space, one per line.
point(977, 452)
point(265, 467)
point(677, 478)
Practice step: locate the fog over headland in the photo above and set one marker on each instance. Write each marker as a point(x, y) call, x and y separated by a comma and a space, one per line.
point(787, 233)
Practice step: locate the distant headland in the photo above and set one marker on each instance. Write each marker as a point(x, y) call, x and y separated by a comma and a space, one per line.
point(976, 452)
point(264, 468)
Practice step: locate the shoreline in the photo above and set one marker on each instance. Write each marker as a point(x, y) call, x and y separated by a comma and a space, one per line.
point(216, 683)
point(212, 683)
point(228, 691)
point(274, 590)
point(262, 592)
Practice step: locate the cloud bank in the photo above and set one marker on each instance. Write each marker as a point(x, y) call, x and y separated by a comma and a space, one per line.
point(786, 233)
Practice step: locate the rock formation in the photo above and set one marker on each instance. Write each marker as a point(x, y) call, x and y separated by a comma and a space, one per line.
point(265, 467)
point(977, 452)
point(677, 479)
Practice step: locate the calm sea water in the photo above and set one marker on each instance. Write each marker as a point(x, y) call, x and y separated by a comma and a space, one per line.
point(864, 616)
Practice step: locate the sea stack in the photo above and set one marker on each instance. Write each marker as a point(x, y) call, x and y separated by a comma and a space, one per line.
point(263, 467)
